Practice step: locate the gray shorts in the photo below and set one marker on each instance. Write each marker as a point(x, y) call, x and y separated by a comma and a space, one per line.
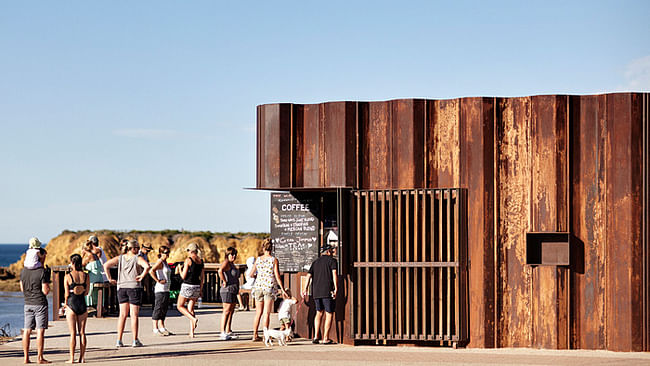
point(36, 317)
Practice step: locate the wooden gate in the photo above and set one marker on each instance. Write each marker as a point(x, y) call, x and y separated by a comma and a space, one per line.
point(409, 251)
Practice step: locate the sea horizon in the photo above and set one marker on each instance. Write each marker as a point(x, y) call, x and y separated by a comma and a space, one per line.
point(10, 253)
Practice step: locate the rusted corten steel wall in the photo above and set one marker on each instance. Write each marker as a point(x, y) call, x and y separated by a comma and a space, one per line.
point(552, 163)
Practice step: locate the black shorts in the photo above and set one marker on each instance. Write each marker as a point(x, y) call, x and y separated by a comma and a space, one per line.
point(131, 295)
point(161, 305)
point(325, 303)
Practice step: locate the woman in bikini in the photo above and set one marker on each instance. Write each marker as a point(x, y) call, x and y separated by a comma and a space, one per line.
point(76, 285)
point(192, 274)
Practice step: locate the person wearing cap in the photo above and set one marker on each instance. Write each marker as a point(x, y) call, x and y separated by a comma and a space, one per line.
point(144, 251)
point(323, 273)
point(131, 269)
point(191, 272)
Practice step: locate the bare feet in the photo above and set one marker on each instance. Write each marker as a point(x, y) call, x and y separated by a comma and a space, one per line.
point(70, 361)
point(44, 361)
point(82, 360)
point(27, 361)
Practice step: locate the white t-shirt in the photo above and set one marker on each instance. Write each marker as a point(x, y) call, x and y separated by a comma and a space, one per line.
point(286, 310)
point(31, 259)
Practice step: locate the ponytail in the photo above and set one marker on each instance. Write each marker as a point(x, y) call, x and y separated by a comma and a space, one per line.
point(76, 261)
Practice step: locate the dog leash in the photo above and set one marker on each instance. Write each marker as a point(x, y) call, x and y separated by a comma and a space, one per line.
point(297, 311)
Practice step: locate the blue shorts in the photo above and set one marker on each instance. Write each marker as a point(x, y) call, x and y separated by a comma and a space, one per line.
point(325, 303)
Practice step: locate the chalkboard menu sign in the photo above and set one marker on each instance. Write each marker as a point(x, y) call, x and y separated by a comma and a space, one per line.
point(294, 230)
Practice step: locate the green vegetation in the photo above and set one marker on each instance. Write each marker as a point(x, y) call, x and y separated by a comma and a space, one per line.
point(207, 235)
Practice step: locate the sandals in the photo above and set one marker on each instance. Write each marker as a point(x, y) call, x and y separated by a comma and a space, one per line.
point(257, 339)
point(329, 341)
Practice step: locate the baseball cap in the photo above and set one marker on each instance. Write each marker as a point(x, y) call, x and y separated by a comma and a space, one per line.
point(192, 247)
point(326, 247)
point(93, 239)
point(147, 246)
point(34, 243)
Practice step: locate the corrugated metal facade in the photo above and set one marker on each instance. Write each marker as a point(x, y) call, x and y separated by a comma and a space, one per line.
point(553, 163)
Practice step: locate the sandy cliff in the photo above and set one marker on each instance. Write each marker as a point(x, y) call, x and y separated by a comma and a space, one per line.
point(213, 247)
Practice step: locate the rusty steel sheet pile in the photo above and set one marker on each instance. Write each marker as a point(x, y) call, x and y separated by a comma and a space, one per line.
point(539, 165)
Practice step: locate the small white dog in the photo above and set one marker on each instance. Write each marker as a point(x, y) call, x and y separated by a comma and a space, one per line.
point(280, 335)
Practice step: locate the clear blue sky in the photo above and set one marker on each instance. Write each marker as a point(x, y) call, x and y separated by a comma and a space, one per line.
point(141, 114)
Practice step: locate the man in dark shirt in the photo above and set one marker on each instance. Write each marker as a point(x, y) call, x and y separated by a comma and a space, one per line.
point(323, 272)
point(35, 285)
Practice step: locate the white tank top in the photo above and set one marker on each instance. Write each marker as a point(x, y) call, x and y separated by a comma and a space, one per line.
point(163, 274)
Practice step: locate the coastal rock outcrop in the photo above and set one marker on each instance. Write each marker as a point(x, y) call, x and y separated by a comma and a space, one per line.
point(212, 245)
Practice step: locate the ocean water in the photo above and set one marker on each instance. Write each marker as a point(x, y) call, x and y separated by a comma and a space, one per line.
point(11, 303)
point(10, 253)
point(11, 311)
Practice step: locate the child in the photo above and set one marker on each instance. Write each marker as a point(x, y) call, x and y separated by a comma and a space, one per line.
point(33, 254)
point(285, 312)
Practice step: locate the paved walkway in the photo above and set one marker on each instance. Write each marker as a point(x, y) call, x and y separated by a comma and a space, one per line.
point(207, 349)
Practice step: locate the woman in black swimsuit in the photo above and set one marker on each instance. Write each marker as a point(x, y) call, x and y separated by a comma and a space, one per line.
point(76, 288)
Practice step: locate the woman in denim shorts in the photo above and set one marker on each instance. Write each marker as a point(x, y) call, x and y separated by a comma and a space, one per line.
point(267, 278)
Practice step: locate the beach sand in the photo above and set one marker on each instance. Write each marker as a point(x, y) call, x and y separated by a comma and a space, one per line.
point(208, 349)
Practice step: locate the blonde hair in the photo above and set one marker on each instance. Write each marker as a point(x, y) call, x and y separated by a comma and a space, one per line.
point(267, 245)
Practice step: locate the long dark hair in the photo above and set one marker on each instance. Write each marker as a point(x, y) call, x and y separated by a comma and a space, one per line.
point(76, 261)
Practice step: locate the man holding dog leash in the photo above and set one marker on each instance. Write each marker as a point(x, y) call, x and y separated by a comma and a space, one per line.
point(323, 272)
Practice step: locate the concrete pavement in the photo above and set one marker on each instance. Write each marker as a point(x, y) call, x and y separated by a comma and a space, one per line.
point(208, 349)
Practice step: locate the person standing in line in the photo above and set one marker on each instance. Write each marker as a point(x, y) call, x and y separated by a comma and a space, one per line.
point(76, 286)
point(162, 274)
point(267, 279)
point(191, 272)
point(99, 252)
point(229, 276)
point(324, 289)
point(123, 246)
point(131, 269)
point(95, 267)
point(144, 251)
point(35, 285)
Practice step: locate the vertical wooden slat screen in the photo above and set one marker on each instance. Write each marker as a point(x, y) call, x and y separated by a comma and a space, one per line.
point(410, 265)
